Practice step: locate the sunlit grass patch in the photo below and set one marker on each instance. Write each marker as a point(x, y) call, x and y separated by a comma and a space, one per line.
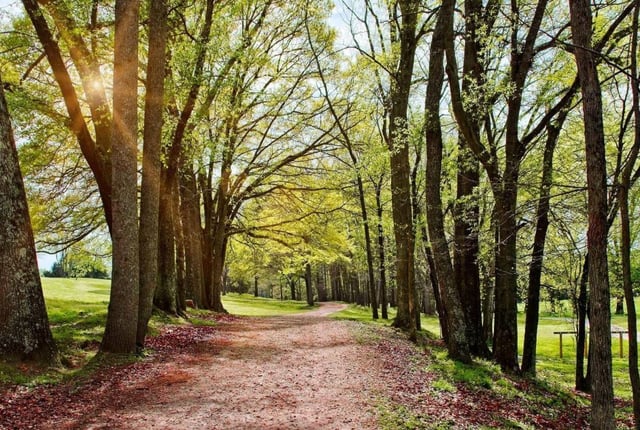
point(246, 304)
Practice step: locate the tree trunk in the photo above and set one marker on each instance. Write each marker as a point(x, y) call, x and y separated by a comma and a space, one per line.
point(308, 283)
point(367, 240)
point(400, 169)
point(122, 318)
point(151, 167)
point(381, 254)
point(537, 255)
point(435, 286)
point(181, 305)
point(165, 294)
point(465, 257)
point(466, 219)
point(457, 341)
point(192, 226)
point(583, 382)
point(24, 326)
point(602, 411)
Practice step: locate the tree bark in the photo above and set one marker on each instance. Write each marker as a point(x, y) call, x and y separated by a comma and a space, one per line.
point(122, 317)
point(382, 270)
point(151, 166)
point(602, 411)
point(24, 326)
point(192, 226)
point(308, 282)
point(537, 255)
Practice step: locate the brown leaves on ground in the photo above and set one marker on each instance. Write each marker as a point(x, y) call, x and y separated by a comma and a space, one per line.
point(292, 372)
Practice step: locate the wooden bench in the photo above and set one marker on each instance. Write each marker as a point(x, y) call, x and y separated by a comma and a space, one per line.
point(618, 332)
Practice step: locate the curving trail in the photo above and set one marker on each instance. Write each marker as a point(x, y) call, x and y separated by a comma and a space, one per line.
point(302, 371)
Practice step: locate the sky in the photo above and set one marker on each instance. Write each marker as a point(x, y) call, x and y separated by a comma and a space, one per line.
point(9, 6)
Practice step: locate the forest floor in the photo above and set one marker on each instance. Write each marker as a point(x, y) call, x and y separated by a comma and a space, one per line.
point(301, 371)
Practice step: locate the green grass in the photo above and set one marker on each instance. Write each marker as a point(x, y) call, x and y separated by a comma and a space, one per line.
point(77, 311)
point(246, 304)
point(552, 369)
point(362, 314)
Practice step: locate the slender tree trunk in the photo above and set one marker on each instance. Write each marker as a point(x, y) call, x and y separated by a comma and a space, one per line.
point(151, 167)
point(24, 325)
point(308, 282)
point(442, 312)
point(400, 169)
point(625, 229)
point(165, 294)
point(382, 270)
point(583, 382)
point(537, 255)
point(602, 412)
point(369, 251)
point(180, 252)
point(122, 317)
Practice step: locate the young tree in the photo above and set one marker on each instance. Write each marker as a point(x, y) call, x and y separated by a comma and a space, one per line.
point(602, 415)
point(24, 326)
point(121, 328)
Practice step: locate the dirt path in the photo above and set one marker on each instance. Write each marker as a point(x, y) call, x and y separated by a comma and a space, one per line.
point(302, 371)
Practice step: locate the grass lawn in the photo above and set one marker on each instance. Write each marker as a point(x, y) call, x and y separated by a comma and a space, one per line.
point(247, 304)
point(551, 368)
point(77, 313)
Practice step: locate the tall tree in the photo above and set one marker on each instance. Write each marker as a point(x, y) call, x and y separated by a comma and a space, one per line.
point(24, 325)
point(406, 21)
point(166, 294)
point(479, 21)
point(504, 181)
point(456, 324)
point(602, 416)
point(122, 317)
point(625, 228)
point(151, 167)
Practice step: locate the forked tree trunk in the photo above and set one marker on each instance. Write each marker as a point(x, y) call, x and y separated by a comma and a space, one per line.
point(457, 340)
point(24, 325)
